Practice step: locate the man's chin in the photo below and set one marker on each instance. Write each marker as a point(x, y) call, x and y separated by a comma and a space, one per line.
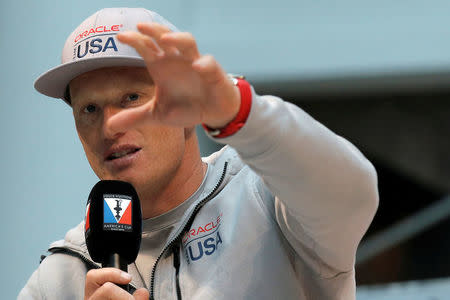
point(126, 176)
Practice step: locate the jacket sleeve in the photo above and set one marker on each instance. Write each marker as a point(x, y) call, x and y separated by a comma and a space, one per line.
point(31, 290)
point(325, 189)
point(59, 276)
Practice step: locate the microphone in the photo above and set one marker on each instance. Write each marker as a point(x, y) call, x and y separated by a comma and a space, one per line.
point(113, 226)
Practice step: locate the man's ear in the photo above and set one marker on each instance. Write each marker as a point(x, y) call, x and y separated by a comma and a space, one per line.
point(67, 95)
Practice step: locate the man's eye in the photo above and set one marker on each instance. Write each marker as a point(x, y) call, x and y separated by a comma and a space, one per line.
point(132, 97)
point(90, 108)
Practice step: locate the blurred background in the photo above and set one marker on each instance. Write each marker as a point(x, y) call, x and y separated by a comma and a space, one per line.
point(375, 72)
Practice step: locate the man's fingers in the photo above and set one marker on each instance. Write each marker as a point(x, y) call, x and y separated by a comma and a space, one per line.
point(110, 291)
point(141, 294)
point(155, 31)
point(144, 45)
point(128, 118)
point(154, 41)
point(183, 41)
point(98, 277)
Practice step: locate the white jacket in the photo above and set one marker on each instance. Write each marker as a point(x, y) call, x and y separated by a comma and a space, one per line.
point(288, 203)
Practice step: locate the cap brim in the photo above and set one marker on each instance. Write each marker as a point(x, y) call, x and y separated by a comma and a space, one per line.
point(53, 83)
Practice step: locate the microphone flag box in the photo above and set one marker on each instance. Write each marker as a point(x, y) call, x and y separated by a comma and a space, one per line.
point(117, 213)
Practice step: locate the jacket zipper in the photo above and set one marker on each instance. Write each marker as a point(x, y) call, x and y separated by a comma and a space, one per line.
point(86, 260)
point(176, 265)
point(187, 224)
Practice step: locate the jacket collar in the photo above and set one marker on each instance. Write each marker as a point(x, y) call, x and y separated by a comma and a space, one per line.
point(75, 241)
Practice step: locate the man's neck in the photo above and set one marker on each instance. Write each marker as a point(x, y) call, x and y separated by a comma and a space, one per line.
point(186, 180)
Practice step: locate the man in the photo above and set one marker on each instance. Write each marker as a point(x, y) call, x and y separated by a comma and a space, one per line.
point(278, 214)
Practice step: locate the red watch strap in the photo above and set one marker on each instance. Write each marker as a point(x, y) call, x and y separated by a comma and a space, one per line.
point(244, 110)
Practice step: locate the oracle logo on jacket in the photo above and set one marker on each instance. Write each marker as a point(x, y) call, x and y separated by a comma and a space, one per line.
point(202, 241)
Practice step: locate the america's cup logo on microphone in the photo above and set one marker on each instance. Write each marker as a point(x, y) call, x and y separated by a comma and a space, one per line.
point(117, 212)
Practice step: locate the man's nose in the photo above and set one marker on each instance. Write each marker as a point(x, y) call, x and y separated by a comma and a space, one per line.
point(108, 131)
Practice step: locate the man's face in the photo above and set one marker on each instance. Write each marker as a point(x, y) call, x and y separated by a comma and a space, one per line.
point(146, 156)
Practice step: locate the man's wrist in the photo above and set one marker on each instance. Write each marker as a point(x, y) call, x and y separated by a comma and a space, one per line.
point(226, 110)
point(241, 117)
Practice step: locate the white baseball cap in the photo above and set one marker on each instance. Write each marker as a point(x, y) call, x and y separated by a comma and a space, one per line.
point(93, 45)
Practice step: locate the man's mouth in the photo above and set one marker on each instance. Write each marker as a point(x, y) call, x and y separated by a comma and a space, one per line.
point(119, 154)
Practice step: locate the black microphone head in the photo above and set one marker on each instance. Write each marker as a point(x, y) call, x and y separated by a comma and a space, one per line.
point(113, 221)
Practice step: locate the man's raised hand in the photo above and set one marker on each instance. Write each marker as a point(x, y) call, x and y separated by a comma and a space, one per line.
point(190, 88)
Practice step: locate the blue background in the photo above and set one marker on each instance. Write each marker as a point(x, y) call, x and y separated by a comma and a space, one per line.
point(45, 177)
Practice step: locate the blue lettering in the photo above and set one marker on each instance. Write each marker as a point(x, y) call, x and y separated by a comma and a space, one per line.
point(208, 247)
point(200, 250)
point(95, 43)
point(218, 239)
point(209, 244)
point(110, 41)
point(85, 50)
